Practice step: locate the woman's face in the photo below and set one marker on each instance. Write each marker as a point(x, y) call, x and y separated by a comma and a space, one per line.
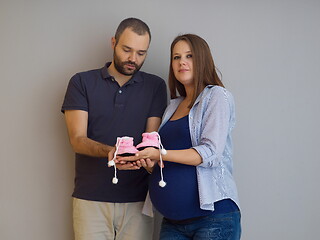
point(182, 63)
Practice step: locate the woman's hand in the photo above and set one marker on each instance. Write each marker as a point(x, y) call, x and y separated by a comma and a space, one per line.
point(150, 153)
point(146, 158)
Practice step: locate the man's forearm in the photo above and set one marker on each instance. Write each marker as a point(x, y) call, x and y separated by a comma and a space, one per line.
point(87, 146)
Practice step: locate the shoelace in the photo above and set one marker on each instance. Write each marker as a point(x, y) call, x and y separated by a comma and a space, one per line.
point(112, 162)
point(162, 151)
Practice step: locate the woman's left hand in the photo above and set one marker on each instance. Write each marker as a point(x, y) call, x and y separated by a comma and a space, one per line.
point(150, 153)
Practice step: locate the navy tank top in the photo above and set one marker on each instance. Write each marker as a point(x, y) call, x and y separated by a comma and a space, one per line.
point(179, 199)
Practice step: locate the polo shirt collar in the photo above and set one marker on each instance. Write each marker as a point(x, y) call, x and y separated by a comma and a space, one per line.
point(105, 74)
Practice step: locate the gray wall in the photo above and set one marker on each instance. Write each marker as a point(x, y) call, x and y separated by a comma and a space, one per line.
point(267, 51)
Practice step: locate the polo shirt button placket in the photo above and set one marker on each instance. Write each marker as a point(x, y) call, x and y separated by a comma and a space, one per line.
point(120, 91)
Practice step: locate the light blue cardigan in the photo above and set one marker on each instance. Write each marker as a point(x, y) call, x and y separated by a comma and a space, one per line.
point(211, 120)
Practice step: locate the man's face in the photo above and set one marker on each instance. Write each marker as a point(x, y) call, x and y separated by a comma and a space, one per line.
point(130, 52)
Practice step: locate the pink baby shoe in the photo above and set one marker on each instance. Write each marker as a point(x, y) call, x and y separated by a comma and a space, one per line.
point(124, 147)
point(149, 140)
point(153, 139)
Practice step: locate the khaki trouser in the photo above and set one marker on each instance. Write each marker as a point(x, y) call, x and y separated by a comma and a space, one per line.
point(110, 221)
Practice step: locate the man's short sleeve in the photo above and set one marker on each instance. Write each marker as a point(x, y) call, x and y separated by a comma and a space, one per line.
point(159, 102)
point(76, 97)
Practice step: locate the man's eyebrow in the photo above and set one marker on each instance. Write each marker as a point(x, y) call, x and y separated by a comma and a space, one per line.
point(142, 51)
point(125, 46)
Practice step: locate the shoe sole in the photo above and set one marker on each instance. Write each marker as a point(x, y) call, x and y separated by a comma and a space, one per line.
point(126, 154)
point(141, 148)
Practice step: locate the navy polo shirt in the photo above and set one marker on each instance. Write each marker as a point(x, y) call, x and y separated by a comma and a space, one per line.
point(113, 111)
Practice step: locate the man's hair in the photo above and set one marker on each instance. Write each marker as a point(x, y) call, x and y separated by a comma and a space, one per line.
point(136, 25)
point(204, 70)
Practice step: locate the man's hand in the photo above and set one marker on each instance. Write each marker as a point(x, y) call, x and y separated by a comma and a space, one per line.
point(111, 153)
point(123, 165)
point(127, 166)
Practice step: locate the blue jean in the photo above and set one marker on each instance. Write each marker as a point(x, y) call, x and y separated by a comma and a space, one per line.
point(214, 227)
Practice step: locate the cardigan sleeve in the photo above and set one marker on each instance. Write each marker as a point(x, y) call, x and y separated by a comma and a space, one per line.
point(214, 127)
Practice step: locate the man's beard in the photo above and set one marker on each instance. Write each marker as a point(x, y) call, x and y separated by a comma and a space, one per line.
point(121, 68)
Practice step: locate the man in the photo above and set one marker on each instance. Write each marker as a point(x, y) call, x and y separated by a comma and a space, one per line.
point(101, 105)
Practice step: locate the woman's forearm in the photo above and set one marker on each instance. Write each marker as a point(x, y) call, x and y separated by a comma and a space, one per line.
point(186, 156)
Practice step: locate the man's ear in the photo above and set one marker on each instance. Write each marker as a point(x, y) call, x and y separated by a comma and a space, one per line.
point(113, 42)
